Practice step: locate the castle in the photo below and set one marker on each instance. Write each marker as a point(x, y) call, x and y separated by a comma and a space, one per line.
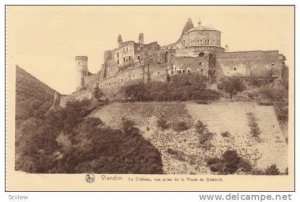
point(198, 50)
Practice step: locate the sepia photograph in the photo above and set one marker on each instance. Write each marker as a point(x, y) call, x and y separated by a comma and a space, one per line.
point(110, 92)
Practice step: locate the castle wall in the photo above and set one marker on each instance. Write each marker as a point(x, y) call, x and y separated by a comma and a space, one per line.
point(249, 63)
point(195, 64)
point(77, 96)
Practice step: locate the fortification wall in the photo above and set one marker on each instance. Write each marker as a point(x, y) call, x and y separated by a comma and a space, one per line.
point(77, 96)
point(198, 64)
point(247, 63)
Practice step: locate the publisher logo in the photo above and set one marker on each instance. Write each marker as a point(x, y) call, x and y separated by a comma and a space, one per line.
point(89, 178)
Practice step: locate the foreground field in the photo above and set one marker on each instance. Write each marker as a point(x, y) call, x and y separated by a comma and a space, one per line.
point(181, 150)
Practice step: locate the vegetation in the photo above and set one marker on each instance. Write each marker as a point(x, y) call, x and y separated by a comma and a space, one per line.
point(229, 163)
point(252, 123)
point(162, 123)
point(94, 146)
point(272, 170)
point(225, 134)
point(204, 134)
point(97, 93)
point(29, 102)
point(180, 88)
point(231, 85)
point(181, 126)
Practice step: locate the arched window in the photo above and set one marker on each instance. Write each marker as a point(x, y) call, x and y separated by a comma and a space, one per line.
point(201, 54)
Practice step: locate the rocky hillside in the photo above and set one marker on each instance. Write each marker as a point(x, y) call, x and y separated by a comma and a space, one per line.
point(183, 151)
point(32, 95)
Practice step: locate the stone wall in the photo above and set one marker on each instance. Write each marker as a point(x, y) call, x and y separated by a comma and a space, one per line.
point(247, 63)
point(77, 96)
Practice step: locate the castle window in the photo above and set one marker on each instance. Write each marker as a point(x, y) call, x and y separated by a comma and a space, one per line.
point(138, 58)
point(201, 54)
point(183, 71)
point(200, 63)
point(273, 64)
point(234, 68)
point(124, 59)
point(117, 54)
point(201, 71)
point(118, 62)
point(129, 58)
point(179, 71)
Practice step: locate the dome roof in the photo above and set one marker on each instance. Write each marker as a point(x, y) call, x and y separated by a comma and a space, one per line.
point(201, 28)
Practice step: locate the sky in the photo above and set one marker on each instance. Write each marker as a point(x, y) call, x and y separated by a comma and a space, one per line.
point(44, 40)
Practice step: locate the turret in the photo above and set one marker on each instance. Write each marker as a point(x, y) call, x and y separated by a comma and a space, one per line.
point(141, 39)
point(188, 25)
point(81, 63)
point(120, 40)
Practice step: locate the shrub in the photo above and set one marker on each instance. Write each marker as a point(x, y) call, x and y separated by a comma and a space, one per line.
point(162, 123)
point(97, 93)
point(252, 123)
point(231, 85)
point(204, 137)
point(181, 126)
point(272, 170)
point(229, 163)
point(200, 127)
point(179, 155)
point(275, 92)
point(225, 134)
point(94, 147)
point(180, 88)
point(231, 160)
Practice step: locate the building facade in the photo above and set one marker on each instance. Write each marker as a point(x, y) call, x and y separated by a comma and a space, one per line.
point(197, 50)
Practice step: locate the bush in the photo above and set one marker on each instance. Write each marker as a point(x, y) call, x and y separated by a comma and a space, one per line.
point(180, 88)
point(231, 160)
point(181, 126)
point(162, 123)
point(225, 134)
point(229, 163)
point(95, 147)
point(200, 127)
point(275, 92)
point(231, 85)
point(252, 123)
point(272, 170)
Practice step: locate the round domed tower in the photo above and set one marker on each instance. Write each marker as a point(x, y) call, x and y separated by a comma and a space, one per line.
point(203, 39)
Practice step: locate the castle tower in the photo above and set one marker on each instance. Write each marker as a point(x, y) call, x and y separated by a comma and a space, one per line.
point(81, 63)
point(141, 39)
point(120, 40)
point(188, 25)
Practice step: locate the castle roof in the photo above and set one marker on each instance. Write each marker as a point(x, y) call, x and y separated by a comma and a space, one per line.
point(188, 25)
point(200, 27)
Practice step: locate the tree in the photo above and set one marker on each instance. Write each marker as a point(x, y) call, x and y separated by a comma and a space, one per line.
point(97, 93)
point(272, 170)
point(232, 85)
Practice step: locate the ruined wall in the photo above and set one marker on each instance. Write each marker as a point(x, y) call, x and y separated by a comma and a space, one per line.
point(199, 64)
point(247, 63)
point(77, 96)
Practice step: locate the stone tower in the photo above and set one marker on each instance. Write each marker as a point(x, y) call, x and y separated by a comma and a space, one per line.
point(120, 40)
point(81, 63)
point(188, 25)
point(141, 39)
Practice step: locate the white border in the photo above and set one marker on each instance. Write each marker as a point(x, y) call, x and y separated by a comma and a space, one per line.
point(128, 196)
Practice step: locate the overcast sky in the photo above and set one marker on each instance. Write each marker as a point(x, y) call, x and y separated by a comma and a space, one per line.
point(45, 40)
